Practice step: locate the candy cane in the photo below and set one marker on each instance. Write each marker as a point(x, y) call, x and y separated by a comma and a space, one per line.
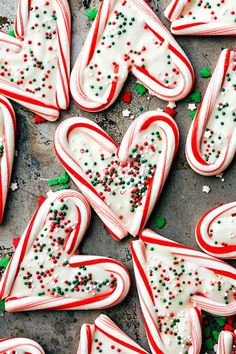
point(106, 336)
point(226, 343)
point(20, 346)
point(195, 18)
point(174, 284)
point(211, 142)
point(143, 160)
point(39, 78)
point(7, 149)
point(126, 36)
point(45, 273)
point(216, 230)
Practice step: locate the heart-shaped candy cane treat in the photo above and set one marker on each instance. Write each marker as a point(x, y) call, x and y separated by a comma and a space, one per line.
point(127, 36)
point(45, 272)
point(20, 346)
point(211, 142)
point(216, 231)
point(104, 336)
point(174, 284)
point(226, 343)
point(7, 149)
point(204, 18)
point(35, 66)
point(121, 183)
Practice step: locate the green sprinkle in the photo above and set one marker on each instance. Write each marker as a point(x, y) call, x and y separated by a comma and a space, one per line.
point(160, 222)
point(220, 321)
point(196, 97)
point(91, 14)
point(192, 114)
point(62, 181)
point(4, 262)
point(140, 89)
point(64, 178)
point(215, 334)
point(209, 344)
point(63, 186)
point(207, 331)
point(11, 33)
point(205, 73)
point(53, 182)
point(2, 305)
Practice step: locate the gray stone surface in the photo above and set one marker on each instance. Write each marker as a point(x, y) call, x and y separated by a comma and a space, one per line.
point(181, 203)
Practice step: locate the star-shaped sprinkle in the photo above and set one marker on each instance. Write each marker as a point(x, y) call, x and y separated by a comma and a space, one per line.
point(207, 134)
point(126, 113)
point(192, 107)
point(206, 189)
point(14, 186)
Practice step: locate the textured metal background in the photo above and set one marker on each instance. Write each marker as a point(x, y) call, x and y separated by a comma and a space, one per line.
point(181, 203)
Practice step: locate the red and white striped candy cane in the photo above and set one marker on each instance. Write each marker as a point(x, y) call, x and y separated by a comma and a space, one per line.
point(137, 169)
point(226, 343)
point(39, 79)
point(193, 18)
point(141, 45)
point(20, 346)
point(45, 272)
point(174, 284)
point(7, 149)
point(105, 335)
point(216, 231)
point(211, 142)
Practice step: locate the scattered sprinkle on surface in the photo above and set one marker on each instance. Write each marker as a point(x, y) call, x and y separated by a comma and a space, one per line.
point(91, 14)
point(160, 222)
point(205, 73)
point(140, 89)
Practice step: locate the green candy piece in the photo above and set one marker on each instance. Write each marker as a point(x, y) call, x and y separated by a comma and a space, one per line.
point(140, 89)
point(215, 335)
point(4, 262)
point(53, 182)
point(192, 114)
point(64, 178)
point(196, 97)
point(63, 186)
point(2, 305)
point(208, 344)
point(207, 331)
point(220, 321)
point(160, 222)
point(11, 32)
point(91, 14)
point(205, 73)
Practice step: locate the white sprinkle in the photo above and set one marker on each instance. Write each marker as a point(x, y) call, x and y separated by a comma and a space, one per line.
point(14, 186)
point(126, 113)
point(206, 189)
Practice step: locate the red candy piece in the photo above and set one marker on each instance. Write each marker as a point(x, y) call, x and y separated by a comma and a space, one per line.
point(15, 242)
point(127, 96)
point(228, 327)
point(38, 119)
